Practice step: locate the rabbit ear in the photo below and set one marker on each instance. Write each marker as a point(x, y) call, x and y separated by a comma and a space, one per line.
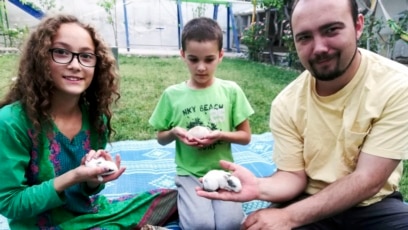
point(226, 176)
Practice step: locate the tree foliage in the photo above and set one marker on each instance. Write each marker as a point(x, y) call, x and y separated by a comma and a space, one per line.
point(277, 4)
point(109, 7)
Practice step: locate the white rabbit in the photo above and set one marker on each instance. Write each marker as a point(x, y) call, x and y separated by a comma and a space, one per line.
point(101, 162)
point(219, 179)
point(199, 131)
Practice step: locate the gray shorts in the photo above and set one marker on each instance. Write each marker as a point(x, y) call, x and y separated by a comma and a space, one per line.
point(197, 212)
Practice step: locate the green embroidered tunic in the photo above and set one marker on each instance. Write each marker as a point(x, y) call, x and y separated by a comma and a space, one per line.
point(27, 195)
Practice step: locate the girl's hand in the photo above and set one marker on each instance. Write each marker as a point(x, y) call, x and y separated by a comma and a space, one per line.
point(89, 175)
point(93, 175)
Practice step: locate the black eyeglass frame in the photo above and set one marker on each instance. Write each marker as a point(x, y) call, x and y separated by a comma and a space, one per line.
point(73, 54)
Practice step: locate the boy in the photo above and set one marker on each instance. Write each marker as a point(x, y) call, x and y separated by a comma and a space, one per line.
point(203, 100)
point(340, 132)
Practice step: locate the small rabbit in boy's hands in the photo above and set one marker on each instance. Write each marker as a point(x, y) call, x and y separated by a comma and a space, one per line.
point(199, 132)
point(204, 136)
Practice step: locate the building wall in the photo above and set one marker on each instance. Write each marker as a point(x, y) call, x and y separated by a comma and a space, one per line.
point(151, 23)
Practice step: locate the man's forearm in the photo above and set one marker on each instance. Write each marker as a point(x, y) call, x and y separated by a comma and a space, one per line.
point(346, 192)
point(276, 188)
point(337, 197)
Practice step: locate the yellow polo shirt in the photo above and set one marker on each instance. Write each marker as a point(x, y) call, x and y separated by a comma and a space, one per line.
point(324, 135)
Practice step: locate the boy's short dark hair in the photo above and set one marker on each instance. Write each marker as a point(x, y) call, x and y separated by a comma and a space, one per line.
point(201, 29)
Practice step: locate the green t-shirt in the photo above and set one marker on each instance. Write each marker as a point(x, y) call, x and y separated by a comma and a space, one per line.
point(222, 106)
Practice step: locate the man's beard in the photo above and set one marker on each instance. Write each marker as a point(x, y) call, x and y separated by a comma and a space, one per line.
point(333, 74)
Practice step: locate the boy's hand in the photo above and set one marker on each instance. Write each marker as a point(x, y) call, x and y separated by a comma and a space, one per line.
point(203, 136)
point(184, 136)
point(209, 139)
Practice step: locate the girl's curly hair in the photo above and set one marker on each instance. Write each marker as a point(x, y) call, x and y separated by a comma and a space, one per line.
point(34, 86)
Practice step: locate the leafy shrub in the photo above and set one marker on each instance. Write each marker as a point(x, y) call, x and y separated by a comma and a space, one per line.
point(254, 37)
point(289, 43)
point(370, 38)
point(13, 37)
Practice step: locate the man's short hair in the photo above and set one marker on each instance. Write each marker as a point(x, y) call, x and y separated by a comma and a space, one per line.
point(353, 9)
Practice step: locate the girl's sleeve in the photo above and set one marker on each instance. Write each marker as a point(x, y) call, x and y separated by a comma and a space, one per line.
point(17, 198)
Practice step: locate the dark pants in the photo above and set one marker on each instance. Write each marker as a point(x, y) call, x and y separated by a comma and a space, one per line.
point(389, 214)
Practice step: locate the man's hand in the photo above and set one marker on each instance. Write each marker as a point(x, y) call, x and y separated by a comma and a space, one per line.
point(268, 219)
point(249, 184)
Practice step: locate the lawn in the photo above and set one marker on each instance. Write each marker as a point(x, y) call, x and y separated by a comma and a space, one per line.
point(143, 79)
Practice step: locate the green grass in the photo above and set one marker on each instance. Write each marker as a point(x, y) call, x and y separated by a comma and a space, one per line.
point(404, 181)
point(8, 70)
point(144, 79)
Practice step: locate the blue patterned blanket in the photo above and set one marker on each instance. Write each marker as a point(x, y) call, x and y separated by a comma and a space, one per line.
point(150, 166)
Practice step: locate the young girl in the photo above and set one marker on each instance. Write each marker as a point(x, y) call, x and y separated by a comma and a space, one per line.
point(55, 118)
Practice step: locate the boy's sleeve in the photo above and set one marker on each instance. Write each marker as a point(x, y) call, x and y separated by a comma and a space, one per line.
point(161, 116)
point(242, 109)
